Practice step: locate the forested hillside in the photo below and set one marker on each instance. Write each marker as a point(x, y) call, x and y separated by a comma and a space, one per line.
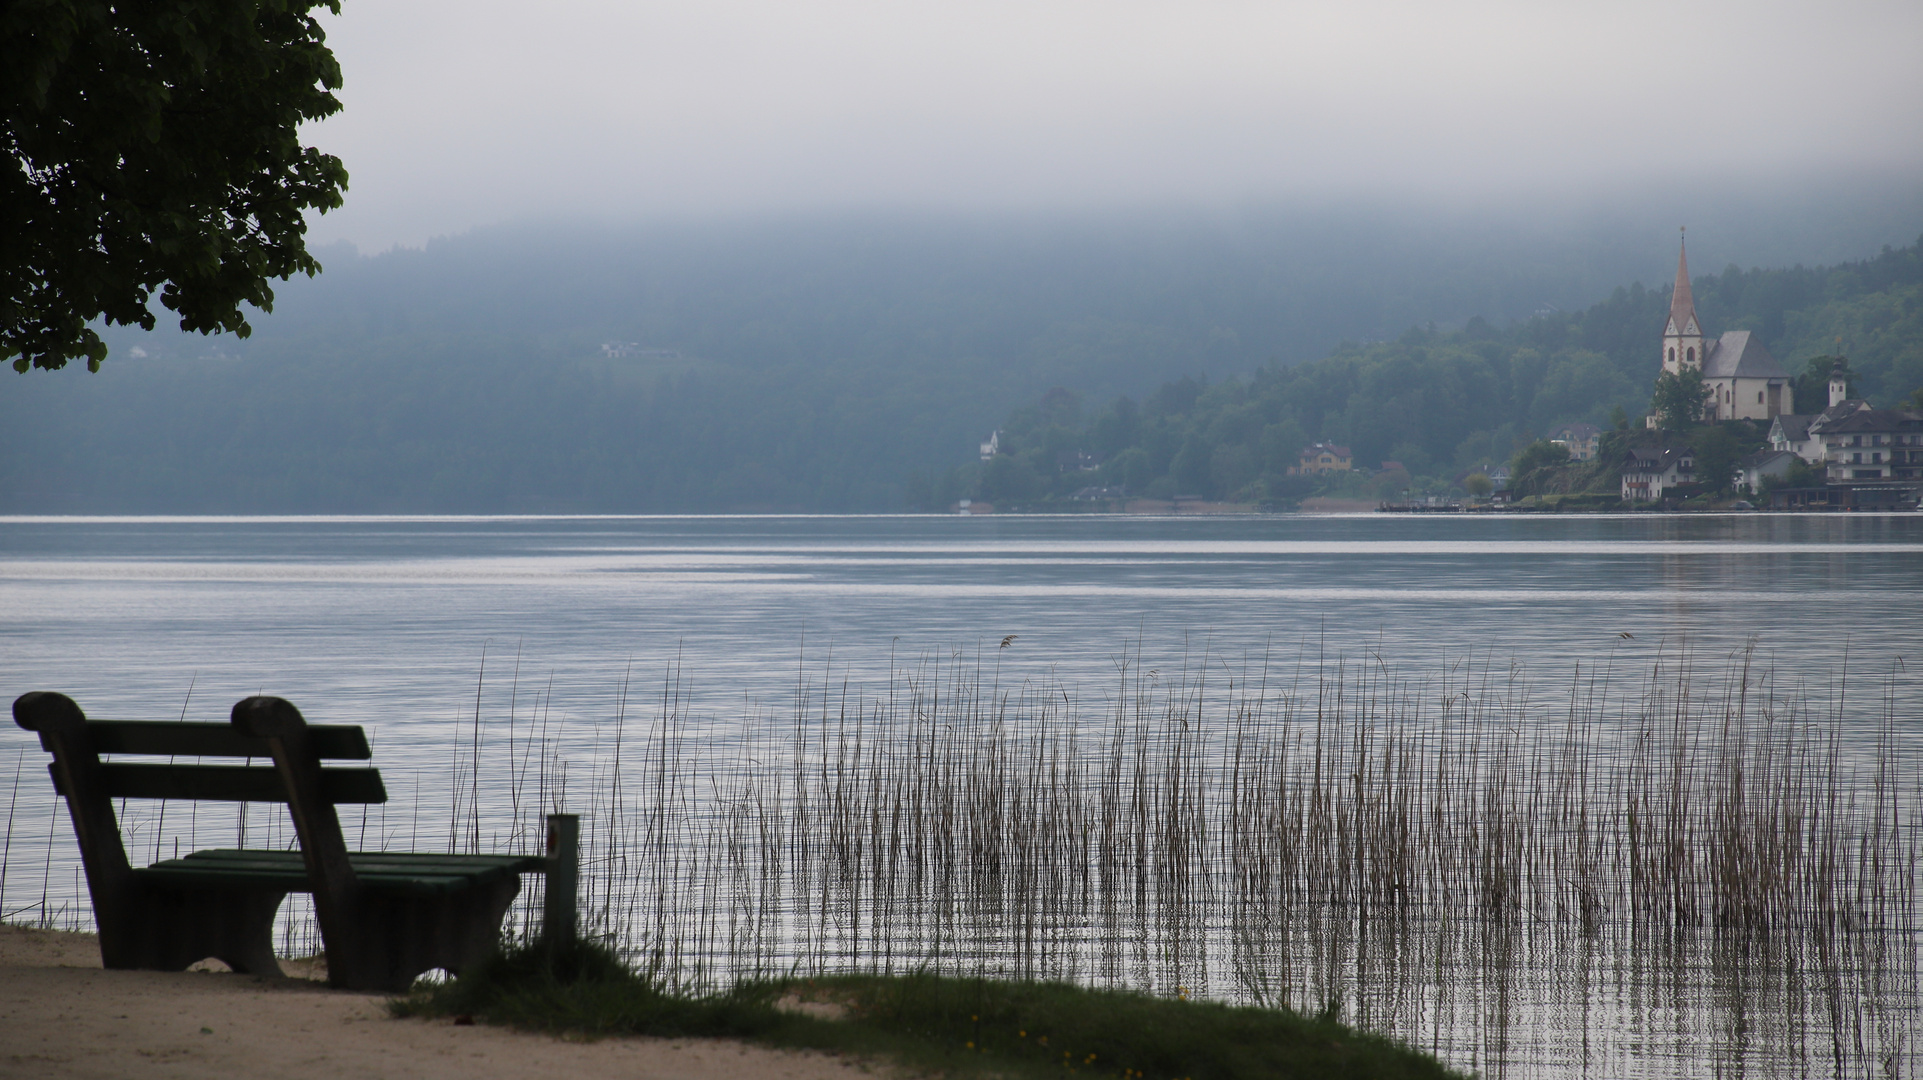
point(843, 364)
point(1442, 403)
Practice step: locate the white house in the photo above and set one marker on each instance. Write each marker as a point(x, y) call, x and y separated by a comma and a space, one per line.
point(1802, 433)
point(1853, 442)
point(1647, 474)
point(1763, 465)
point(1873, 444)
point(1744, 380)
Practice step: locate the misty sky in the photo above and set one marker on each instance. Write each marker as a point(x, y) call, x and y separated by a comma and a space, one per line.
point(463, 114)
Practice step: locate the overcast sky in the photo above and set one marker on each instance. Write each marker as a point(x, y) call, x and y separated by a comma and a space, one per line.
point(463, 114)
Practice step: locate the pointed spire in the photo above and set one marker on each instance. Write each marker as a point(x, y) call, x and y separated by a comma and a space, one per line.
point(1682, 304)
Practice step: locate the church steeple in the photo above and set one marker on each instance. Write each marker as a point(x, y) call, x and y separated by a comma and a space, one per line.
point(1683, 336)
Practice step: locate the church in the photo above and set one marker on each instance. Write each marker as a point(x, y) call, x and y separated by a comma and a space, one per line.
point(1745, 381)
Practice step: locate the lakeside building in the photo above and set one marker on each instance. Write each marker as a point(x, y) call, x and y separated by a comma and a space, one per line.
point(1873, 444)
point(1648, 474)
point(1851, 441)
point(1318, 459)
point(1744, 380)
point(1581, 440)
point(1760, 466)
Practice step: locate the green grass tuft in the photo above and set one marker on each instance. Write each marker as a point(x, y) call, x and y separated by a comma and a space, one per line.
point(585, 989)
point(955, 1026)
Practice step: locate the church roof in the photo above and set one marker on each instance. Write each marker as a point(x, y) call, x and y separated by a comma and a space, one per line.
point(1794, 426)
point(1740, 355)
point(1682, 303)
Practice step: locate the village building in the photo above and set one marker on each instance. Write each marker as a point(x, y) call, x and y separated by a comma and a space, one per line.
point(1319, 459)
point(1802, 433)
point(1790, 433)
point(1744, 380)
point(1873, 444)
point(1763, 465)
point(1650, 474)
point(992, 445)
point(1581, 440)
point(1851, 441)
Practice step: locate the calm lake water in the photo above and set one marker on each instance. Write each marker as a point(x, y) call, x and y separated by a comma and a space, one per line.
point(413, 626)
point(384, 620)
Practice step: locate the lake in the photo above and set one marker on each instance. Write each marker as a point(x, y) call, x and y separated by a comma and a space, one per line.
point(726, 650)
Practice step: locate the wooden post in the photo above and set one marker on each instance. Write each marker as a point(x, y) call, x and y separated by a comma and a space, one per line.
point(564, 876)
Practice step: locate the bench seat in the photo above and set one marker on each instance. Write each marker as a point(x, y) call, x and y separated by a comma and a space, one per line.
point(404, 872)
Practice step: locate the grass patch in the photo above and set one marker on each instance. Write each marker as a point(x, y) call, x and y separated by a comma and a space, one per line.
point(927, 1023)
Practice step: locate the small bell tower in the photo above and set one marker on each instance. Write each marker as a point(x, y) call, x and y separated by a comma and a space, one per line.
point(1683, 334)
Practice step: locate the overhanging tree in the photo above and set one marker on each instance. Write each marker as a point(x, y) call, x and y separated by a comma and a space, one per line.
point(154, 146)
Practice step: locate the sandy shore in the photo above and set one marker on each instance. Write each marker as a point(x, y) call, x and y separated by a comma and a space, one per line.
point(62, 1016)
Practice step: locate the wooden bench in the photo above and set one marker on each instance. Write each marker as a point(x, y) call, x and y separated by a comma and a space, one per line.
point(384, 917)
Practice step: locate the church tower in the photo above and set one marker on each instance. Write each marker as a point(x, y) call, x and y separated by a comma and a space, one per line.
point(1683, 336)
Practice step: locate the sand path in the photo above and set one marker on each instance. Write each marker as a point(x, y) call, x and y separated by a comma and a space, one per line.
point(64, 1018)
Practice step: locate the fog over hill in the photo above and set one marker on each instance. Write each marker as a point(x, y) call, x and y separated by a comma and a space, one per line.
point(807, 361)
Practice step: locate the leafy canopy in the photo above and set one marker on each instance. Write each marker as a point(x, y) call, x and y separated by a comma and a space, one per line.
point(1679, 398)
point(154, 146)
point(1541, 454)
point(1811, 389)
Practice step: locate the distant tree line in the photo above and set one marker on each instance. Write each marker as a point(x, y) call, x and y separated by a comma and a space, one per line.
point(1444, 406)
point(833, 368)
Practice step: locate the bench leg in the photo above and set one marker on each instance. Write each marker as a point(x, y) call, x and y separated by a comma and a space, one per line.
point(400, 935)
point(169, 929)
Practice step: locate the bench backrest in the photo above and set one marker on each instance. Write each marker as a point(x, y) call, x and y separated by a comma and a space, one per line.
point(261, 727)
point(236, 783)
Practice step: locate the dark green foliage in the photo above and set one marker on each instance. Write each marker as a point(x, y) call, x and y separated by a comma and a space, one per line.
point(1539, 455)
point(1720, 446)
point(854, 367)
point(1679, 398)
point(154, 146)
point(584, 988)
point(959, 1027)
point(1533, 464)
point(1812, 387)
point(1446, 405)
point(1051, 1029)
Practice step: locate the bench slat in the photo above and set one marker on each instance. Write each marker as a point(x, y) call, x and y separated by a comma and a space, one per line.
point(385, 859)
point(344, 742)
point(398, 871)
point(234, 783)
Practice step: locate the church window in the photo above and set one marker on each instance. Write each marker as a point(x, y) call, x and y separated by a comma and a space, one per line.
point(1692, 354)
point(1672, 354)
point(1759, 397)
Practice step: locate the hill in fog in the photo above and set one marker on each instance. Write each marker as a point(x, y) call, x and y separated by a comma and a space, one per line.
point(795, 363)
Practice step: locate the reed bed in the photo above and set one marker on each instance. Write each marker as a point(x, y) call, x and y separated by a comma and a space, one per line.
point(1685, 868)
point(1702, 862)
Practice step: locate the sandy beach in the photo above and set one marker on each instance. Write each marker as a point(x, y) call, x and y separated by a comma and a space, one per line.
point(62, 1016)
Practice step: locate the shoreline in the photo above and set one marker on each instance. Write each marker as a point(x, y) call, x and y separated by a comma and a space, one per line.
point(64, 1017)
